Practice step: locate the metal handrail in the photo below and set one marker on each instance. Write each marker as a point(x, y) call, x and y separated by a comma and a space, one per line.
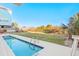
point(32, 41)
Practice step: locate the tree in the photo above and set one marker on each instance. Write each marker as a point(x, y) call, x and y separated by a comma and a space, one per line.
point(49, 26)
point(74, 24)
point(48, 29)
point(15, 25)
point(41, 28)
point(64, 28)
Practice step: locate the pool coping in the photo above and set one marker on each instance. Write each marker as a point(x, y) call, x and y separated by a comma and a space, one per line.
point(6, 51)
point(50, 49)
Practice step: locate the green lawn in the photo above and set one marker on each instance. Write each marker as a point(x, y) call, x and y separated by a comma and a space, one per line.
point(44, 37)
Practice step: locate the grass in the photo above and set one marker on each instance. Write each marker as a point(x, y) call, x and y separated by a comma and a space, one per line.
point(44, 37)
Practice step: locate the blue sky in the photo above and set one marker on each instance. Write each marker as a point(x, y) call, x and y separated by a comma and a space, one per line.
point(36, 14)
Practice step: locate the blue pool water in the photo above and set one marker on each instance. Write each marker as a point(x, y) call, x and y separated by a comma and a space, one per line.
point(20, 47)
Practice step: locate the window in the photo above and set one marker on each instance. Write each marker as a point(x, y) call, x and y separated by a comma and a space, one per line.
point(2, 26)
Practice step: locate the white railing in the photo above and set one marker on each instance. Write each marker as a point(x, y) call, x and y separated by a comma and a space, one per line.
point(74, 45)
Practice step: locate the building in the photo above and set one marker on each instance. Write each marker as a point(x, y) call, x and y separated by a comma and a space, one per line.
point(5, 24)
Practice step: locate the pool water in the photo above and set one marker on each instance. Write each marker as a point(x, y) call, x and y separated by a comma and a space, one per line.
point(20, 47)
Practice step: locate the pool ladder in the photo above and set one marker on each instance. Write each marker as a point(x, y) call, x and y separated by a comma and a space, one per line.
point(33, 41)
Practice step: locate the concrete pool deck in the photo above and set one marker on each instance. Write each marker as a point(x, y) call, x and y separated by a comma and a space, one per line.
point(4, 48)
point(50, 49)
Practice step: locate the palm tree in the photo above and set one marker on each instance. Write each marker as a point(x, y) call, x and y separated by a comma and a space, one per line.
point(68, 28)
point(74, 24)
point(71, 25)
point(77, 25)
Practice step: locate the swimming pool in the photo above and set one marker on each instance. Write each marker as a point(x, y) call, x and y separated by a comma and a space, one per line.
point(21, 47)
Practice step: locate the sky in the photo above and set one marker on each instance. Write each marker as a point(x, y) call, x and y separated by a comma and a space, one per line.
point(37, 14)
